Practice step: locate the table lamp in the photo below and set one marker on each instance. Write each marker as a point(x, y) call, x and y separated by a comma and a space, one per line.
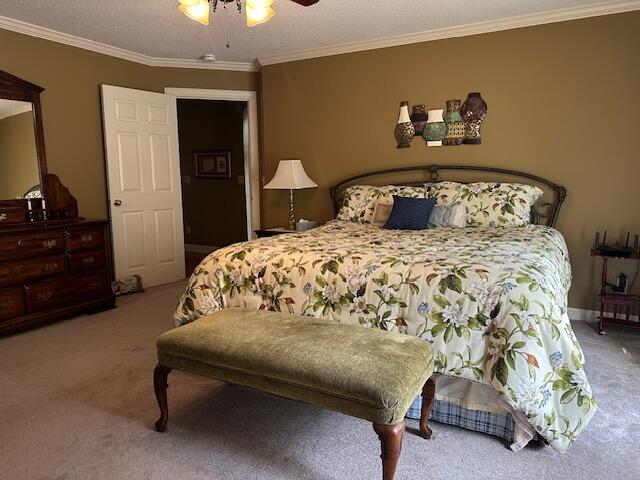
point(291, 176)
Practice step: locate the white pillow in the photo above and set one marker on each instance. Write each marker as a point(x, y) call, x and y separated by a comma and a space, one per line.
point(448, 216)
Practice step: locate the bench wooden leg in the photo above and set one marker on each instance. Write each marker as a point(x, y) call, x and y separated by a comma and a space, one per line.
point(428, 394)
point(391, 440)
point(160, 385)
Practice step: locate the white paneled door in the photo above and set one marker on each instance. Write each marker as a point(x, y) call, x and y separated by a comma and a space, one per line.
point(143, 170)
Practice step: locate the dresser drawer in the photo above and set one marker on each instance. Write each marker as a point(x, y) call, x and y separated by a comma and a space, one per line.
point(11, 216)
point(90, 239)
point(12, 303)
point(31, 245)
point(21, 271)
point(84, 261)
point(67, 290)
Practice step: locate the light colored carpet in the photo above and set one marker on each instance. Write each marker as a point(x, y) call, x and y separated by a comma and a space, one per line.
point(77, 402)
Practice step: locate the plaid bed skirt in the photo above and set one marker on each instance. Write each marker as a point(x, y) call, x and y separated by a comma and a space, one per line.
point(498, 424)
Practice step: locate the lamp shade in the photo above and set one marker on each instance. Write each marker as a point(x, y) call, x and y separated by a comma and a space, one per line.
point(290, 175)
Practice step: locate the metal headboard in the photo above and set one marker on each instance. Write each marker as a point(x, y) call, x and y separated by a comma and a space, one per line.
point(544, 212)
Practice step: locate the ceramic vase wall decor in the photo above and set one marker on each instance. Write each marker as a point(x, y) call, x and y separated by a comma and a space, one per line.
point(455, 125)
point(473, 110)
point(435, 130)
point(404, 131)
point(418, 118)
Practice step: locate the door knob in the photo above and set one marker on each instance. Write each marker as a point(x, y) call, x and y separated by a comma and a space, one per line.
point(117, 203)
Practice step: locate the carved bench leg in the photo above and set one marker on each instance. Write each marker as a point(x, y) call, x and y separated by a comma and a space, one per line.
point(391, 440)
point(160, 385)
point(428, 394)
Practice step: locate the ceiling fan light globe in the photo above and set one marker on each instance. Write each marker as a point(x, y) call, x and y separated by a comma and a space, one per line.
point(256, 16)
point(198, 12)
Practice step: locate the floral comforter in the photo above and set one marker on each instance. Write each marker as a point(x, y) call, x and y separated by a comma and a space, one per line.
point(491, 301)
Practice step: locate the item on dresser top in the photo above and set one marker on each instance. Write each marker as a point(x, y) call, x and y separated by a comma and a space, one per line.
point(404, 131)
point(436, 129)
point(410, 213)
point(448, 216)
point(489, 204)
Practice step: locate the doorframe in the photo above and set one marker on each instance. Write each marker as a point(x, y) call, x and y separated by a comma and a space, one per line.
point(249, 138)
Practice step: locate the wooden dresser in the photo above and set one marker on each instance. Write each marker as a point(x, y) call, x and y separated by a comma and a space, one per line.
point(53, 263)
point(54, 269)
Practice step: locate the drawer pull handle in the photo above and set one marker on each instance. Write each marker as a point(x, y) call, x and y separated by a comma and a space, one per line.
point(19, 267)
point(86, 238)
point(3, 216)
point(88, 260)
point(19, 243)
point(51, 267)
point(49, 243)
point(43, 296)
point(6, 304)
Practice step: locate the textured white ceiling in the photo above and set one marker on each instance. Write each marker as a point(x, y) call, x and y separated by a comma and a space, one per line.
point(156, 28)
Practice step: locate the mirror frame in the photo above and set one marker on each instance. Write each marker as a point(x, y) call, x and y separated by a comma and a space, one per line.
point(14, 88)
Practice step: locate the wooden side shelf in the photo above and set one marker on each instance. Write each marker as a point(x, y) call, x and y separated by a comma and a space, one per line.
point(624, 305)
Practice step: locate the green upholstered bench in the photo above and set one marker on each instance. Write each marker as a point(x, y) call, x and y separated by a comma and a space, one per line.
point(366, 373)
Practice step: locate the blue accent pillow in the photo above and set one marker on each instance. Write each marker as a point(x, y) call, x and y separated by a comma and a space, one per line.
point(410, 213)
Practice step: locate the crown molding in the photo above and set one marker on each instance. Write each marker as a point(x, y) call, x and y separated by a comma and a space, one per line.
point(551, 16)
point(86, 44)
point(10, 112)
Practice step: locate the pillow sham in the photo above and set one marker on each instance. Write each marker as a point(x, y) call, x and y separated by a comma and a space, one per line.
point(490, 204)
point(357, 199)
point(448, 216)
point(410, 213)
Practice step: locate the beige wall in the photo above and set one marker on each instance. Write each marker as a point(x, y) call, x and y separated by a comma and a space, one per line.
point(561, 102)
point(71, 107)
point(18, 157)
point(213, 208)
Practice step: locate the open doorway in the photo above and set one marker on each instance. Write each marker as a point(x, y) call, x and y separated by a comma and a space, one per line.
point(213, 173)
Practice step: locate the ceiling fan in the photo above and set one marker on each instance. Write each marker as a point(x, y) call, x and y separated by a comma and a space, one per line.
point(257, 11)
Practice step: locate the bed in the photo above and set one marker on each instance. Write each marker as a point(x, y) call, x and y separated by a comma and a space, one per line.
point(492, 301)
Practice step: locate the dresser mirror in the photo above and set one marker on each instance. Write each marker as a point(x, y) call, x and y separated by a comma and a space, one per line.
point(19, 167)
point(23, 162)
point(28, 193)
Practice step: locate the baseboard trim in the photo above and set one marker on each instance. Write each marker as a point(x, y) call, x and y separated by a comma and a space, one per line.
point(195, 248)
point(585, 315)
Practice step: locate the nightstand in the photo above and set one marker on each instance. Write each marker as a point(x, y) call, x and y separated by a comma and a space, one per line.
point(272, 232)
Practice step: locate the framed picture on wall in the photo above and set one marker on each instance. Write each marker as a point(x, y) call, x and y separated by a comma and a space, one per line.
point(213, 164)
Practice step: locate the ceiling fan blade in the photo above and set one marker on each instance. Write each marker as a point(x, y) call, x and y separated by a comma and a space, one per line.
point(305, 3)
